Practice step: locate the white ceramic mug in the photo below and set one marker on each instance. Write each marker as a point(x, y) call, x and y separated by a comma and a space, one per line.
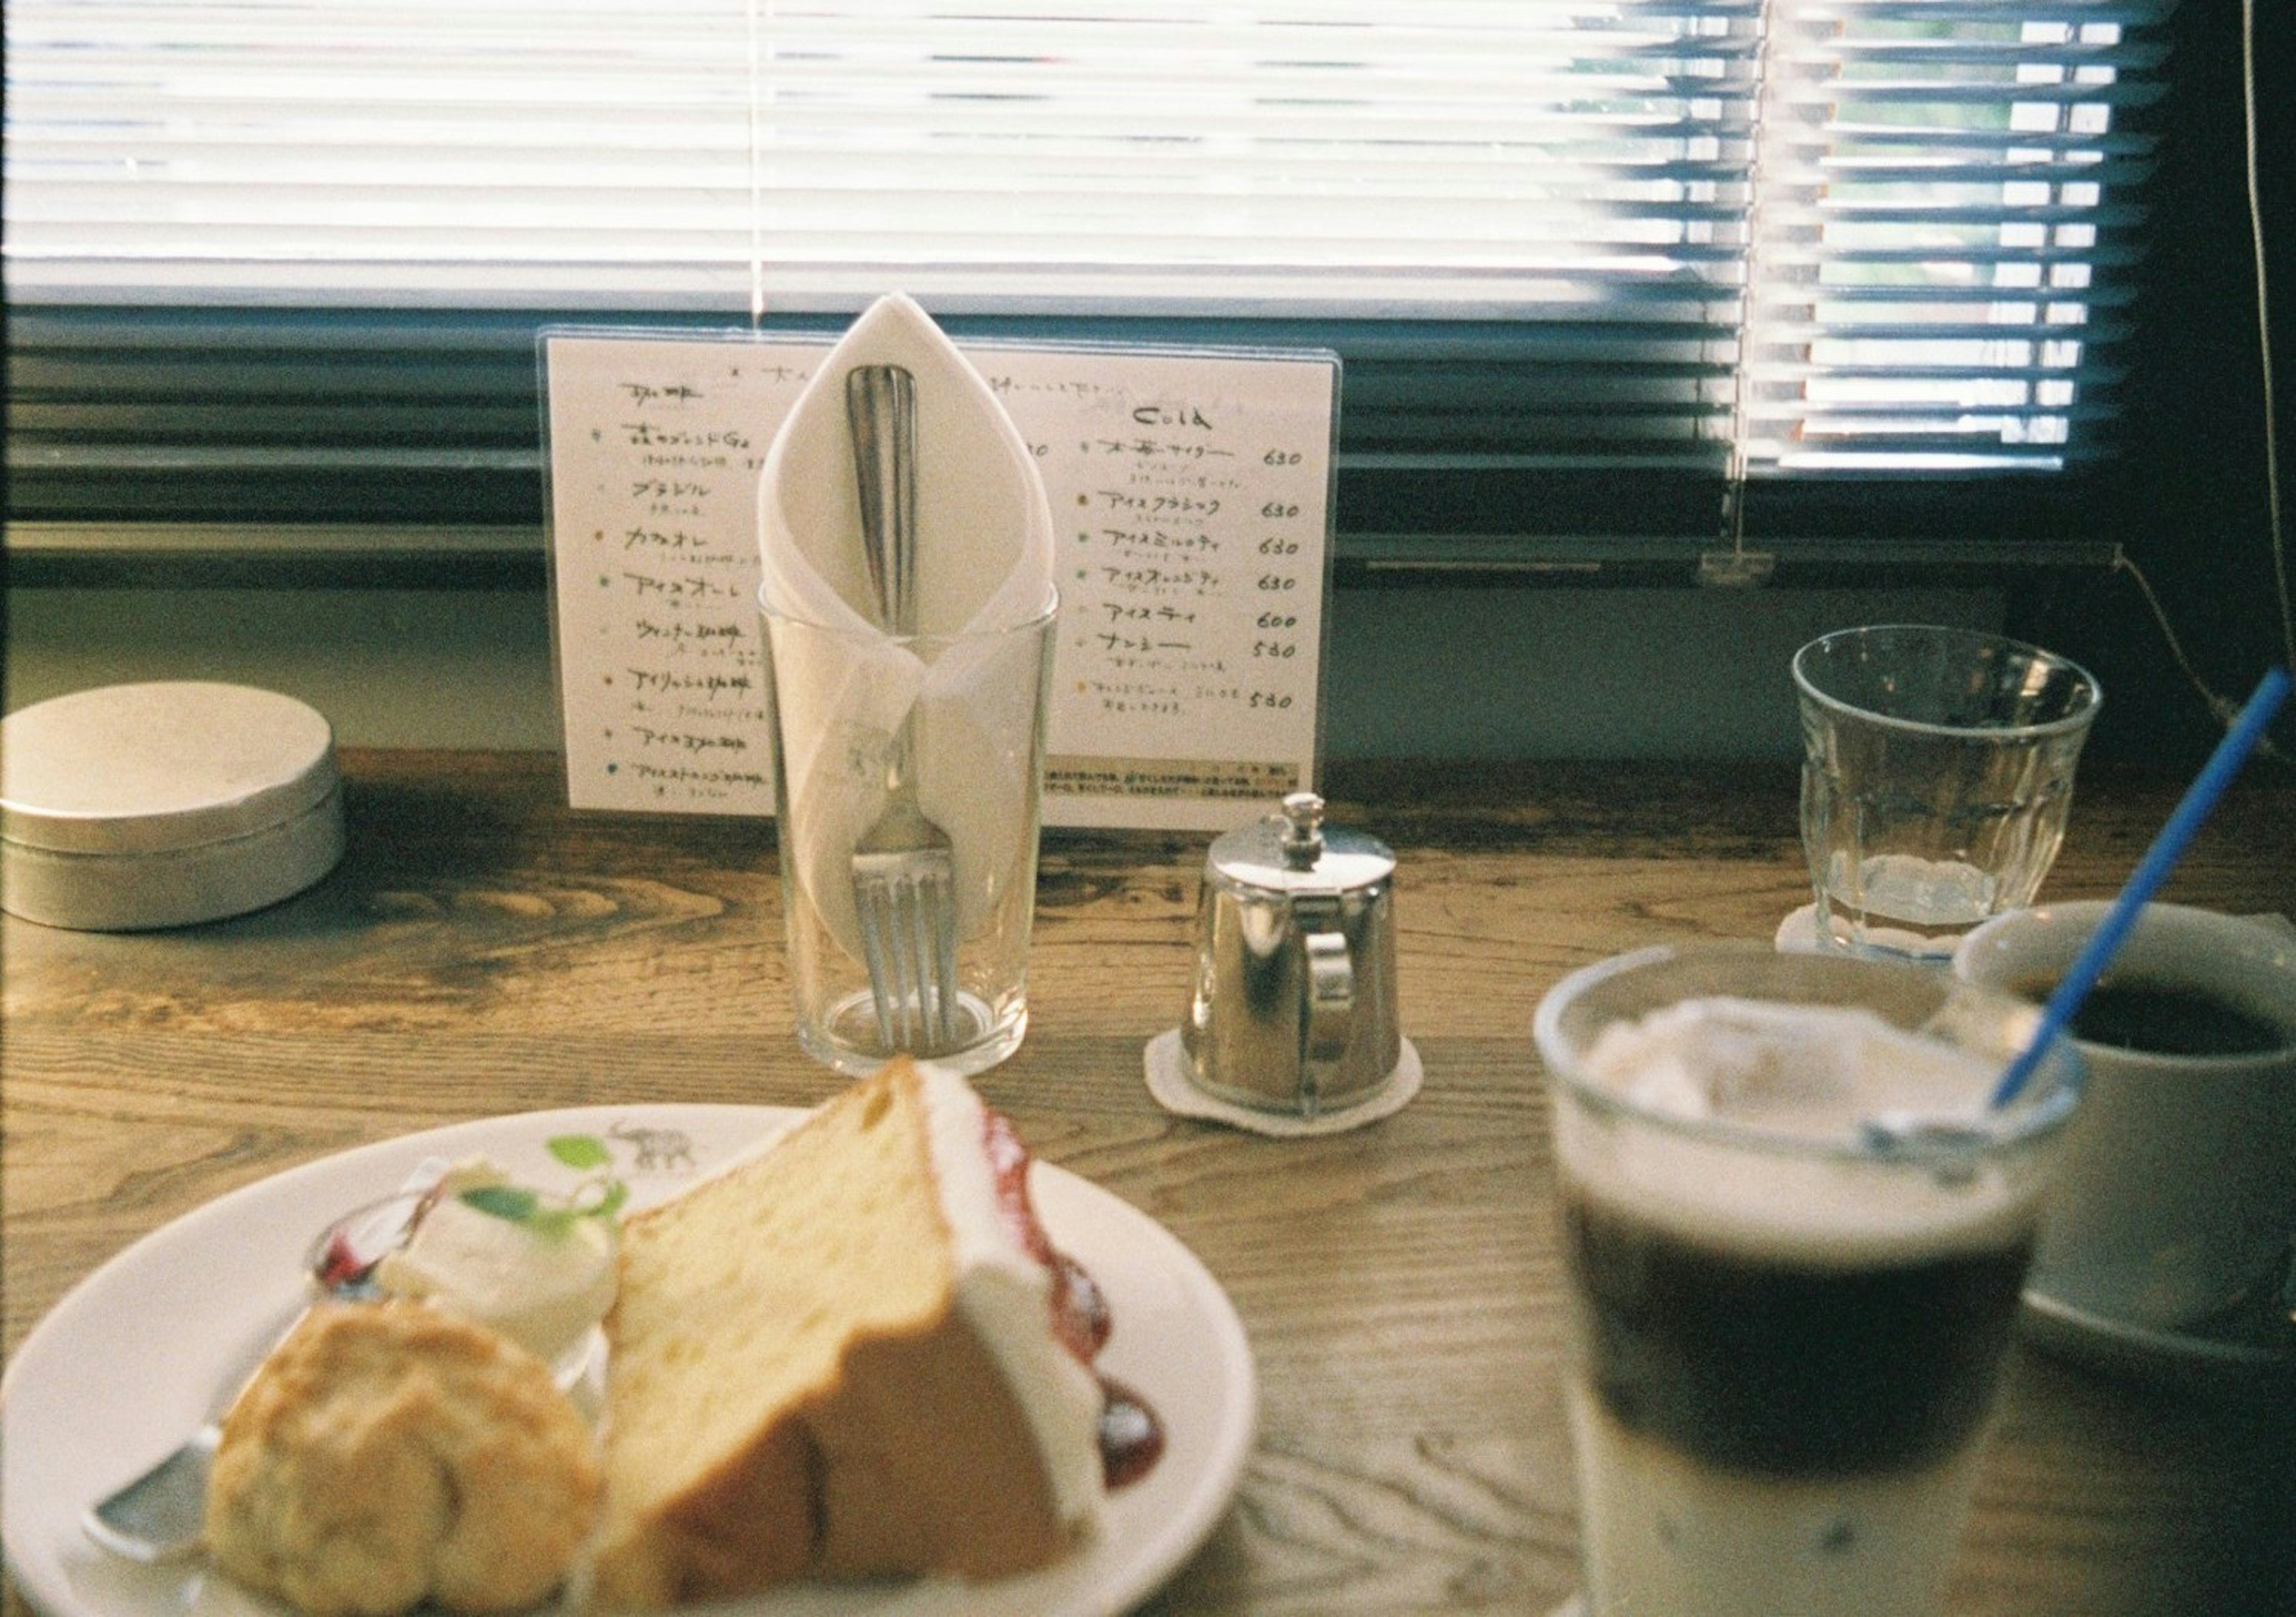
point(2177, 1200)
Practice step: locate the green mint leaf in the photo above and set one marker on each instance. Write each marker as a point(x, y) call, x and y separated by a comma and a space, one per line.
point(553, 1223)
point(580, 1151)
point(509, 1202)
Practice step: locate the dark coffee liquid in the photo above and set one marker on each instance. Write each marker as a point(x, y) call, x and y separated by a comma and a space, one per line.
point(2165, 1019)
point(1787, 1370)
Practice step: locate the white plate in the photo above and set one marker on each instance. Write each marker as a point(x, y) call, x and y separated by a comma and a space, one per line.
point(141, 1353)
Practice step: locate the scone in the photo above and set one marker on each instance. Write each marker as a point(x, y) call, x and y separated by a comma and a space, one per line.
point(389, 1454)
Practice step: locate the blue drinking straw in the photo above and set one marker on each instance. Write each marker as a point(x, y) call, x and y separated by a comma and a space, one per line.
point(2151, 870)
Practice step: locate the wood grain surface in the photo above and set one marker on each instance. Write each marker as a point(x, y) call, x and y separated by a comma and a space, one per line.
point(482, 949)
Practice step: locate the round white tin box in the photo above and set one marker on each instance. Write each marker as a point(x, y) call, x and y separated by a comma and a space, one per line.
point(134, 807)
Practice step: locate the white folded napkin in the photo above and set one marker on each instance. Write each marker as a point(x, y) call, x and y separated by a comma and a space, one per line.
point(984, 561)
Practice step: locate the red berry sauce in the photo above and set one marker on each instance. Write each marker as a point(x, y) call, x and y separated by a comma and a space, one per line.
point(1131, 1437)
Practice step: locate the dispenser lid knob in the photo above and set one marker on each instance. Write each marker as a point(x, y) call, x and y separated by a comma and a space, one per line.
point(1303, 830)
point(1292, 850)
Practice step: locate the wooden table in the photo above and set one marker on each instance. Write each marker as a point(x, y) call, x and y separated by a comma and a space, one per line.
point(483, 951)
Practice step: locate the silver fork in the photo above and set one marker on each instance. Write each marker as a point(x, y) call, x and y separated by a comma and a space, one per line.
point(904, 866)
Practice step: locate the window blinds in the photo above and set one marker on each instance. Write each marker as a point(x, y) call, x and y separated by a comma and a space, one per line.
point(1943, 202)
point(294, 252)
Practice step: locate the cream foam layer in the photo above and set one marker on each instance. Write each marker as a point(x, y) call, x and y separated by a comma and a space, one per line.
point(1804, 1074)
point(1006, 1295)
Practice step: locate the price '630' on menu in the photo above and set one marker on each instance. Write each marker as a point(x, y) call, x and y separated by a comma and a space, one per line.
point(1190, 502)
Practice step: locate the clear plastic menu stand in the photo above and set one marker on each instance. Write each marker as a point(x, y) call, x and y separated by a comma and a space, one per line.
point(1191, 489)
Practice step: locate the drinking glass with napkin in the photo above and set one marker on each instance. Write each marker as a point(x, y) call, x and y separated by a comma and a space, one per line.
point(974, 672)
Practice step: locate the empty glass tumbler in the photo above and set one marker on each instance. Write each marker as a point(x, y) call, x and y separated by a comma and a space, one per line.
point(1937, 774)
point(967, 712)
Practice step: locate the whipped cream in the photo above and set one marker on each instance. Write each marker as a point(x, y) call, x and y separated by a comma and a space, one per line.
point(1005, 1292)
point(1820, 1078)
point(1814, 1069)
point(542, 1286)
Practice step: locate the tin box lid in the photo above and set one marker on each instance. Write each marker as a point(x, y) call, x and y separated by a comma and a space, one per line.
point(1293, 852)
point(160, 767)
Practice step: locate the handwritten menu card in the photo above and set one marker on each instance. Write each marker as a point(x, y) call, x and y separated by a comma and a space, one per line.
point(1190, 492)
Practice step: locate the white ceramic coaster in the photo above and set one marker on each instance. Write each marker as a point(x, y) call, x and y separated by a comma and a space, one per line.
point(1166, 1063)
point(1798, 935)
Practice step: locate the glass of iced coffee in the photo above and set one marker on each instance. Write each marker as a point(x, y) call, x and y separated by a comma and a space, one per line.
point(1796, 1225)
